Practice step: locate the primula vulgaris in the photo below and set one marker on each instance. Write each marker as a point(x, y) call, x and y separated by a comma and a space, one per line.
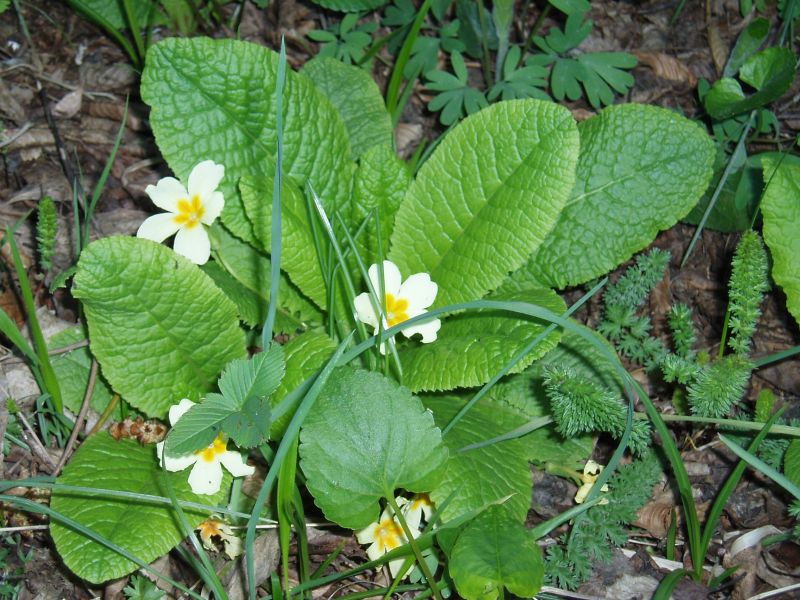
point(216, 527)
point(386, 533)
point(188, 210)
point(206, 475)
point(402, 300)
point(591, 471)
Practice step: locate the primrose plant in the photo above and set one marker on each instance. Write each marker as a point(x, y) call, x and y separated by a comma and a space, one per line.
point(296, 212)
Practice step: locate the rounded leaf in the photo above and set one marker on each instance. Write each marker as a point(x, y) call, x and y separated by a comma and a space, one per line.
point(365, 438)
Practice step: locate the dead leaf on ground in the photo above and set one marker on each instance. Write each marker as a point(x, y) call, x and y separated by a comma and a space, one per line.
point(667, 67)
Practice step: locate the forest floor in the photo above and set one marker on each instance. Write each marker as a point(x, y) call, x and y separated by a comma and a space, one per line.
point(63, 87)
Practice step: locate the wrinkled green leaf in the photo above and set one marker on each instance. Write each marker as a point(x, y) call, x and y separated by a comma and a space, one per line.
point(214, 99)
point(472, 347)
point(298, 254)
point(366, 438)
point(144, 529)
point(770, 72)
point(487, 197)
point(492, 553)
point(641, 169)
point(382, 180)
point(479, 477)
point(252, 270)
point(356, 96)
point(781, 209)
point(159, 327)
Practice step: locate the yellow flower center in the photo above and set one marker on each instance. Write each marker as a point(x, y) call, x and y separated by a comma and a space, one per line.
point(209, 528)
point(217, 447)
point(395, 310)
point(388, 535)
point(421, 500)
point(190, 212)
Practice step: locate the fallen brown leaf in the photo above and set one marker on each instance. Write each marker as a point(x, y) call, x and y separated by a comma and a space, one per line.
point(667, 67)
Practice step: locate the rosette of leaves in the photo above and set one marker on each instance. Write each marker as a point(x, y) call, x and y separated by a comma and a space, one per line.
point(597, 75)
point(346, 41)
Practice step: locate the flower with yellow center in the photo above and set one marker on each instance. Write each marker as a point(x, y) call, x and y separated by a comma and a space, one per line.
point(383, 536)
point(189, 209)
point(402, 300)
point(206, 475)
point(418, 507)
point(591, 471)
point(215, 527)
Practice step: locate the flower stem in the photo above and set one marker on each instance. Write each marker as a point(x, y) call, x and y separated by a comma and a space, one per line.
point(414, 546)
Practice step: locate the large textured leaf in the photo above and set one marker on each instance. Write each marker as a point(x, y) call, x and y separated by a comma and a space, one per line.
point(479, 477)
point(381, 182)
point(252, 270)
point(641, 169)
point(72, 371)
point(472, 347)
point(298, 255)
point(487, 197)
point(146, 530)
point(305, 354)
point(214, 99)
point(354, 93)
point(493, 553)
point(159, 327)
point(781, 209)
point(365, 438)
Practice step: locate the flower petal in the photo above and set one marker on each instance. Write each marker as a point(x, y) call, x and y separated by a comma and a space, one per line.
point(204, 179)
point(213, 206)
point(427, 330)
point(396, 564)
point(193, 244)
point(206, 477)
point(374, 552)
point(234, 462)
point(166, 193)
point(419, 290)
point(367, 535)
point(364, 310)
point(158, 227)
point(175, 463)
point(176, 411)
point(391, 278)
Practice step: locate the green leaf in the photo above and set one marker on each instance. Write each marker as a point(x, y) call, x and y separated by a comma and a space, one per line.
point(641, 169)
point(492, 553)
point(606, 71)
point(305, 355)
point(747, 44)
point(72, 370)
point(791, 462)
point(251, 307)
point(242, 411)
point(351, 5)
point(113, 13)
point(298, 256)
point(478, 477)
point(146, 530)
point(214, 99)
point(487, 197)
point(381, 182)
point(456, 98)
point(781, 209)
point(159, 327)
point(771, 72)
point(472, 347)
point(354, 93)
point(365, 438)
point(251, 269)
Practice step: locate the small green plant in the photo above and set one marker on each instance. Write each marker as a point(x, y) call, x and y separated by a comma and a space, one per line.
point(346, 40)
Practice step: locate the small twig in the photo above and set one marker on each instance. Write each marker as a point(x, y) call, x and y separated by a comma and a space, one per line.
point(17, 135)
point(79, 421)
point(777, 592)
point(70, 348)
point(33, 441)
point(61, 150)
point(566, 594)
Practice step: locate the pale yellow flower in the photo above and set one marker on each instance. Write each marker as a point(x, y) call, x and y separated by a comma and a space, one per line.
point(591, 471)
